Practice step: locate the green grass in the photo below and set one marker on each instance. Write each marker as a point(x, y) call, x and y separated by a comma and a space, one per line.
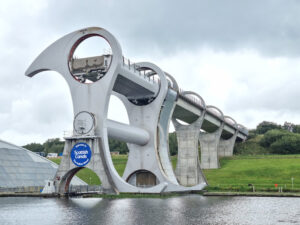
point(56, 160)
point(235, 174)
point(120, 163)
point(239, 172)
point(90, 177)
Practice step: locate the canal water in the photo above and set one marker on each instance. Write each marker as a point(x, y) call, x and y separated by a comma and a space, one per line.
point(184, 210)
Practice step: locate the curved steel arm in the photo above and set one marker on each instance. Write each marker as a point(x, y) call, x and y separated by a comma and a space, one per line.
point(163, 87)
point(53, 56)
point(174, 82)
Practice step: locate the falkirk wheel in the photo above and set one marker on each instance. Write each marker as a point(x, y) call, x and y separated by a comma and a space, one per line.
point(150, 96)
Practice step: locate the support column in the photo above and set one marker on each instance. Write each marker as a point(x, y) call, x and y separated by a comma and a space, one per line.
point(209, 143)
point(67, 169)
point(188, 171)
point(225, 147)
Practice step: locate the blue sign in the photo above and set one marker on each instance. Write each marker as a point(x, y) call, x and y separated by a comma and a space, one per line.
point(81, 154)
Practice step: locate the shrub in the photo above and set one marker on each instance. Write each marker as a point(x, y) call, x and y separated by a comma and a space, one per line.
point(287, 144)
point(271, 136)
point(265, 126)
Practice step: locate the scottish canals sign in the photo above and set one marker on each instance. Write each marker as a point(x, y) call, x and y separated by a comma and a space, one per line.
point(81, 154)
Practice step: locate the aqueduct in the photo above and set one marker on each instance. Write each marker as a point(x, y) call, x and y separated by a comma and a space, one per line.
point(152, 99)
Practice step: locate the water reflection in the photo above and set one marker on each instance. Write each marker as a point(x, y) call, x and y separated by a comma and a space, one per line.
point(185, 210)
point(86, 203)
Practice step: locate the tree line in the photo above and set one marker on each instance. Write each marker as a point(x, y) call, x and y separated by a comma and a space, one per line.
point(56, 145)
point(266, 138)
point(272, 138)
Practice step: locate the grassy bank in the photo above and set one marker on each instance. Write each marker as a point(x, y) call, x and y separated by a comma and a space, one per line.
point(90, 177)
point(241, 173)
point(238, 173)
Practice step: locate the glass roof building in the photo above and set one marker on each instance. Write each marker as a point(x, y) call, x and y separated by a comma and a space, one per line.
point(20, 167)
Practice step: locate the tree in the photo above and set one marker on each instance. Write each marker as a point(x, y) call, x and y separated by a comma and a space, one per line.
point(265, 126)
point(173, 146)
point(53, 145)
point(287, 144)
point(288, 126)
point(252, 134)
point(34, 147)
point(296, 129)
point(118, 146)
point(272, 136)
point(56, 145)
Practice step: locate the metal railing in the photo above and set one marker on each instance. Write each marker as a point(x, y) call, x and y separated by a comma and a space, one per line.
point(195, 101)
point(190, 98)
point(139, 71)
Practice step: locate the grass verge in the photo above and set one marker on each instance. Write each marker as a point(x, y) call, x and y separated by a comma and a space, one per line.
point(257, 173)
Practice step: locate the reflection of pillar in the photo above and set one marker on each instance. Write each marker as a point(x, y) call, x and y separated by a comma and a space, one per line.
point(209, 148)
point(225, 147)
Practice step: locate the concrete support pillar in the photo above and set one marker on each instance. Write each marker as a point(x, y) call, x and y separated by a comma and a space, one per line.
point(188, 170)
point(68, 169)
point(225, 147)
point(209, 143)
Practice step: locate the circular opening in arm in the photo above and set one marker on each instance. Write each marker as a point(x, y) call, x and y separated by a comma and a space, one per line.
point(152, 77)
point(90, 58)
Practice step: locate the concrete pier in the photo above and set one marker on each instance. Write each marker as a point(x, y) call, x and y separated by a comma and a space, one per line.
point(209, 142)
point(225, 147)
point(188, 170)
point(67, 169)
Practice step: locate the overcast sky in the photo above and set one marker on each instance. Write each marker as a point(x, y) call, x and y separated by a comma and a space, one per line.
point(241, 56)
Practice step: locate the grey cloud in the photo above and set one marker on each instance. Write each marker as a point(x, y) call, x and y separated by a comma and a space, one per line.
point(269, 96)
point(142, 27)
point(272, 27)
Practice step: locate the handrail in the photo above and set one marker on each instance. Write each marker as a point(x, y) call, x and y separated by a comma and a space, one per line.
point(138, 71)
point(230, 118)
point(217, 109)
point(192, 100)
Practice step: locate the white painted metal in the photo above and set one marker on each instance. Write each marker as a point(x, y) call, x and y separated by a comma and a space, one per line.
point(146, 133)
point(129, 134)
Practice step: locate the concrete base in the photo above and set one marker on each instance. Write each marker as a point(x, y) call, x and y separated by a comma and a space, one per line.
point(49, 187)
point(188, 171)
point(225, 147)
point(67, 169)
point(209, 143)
